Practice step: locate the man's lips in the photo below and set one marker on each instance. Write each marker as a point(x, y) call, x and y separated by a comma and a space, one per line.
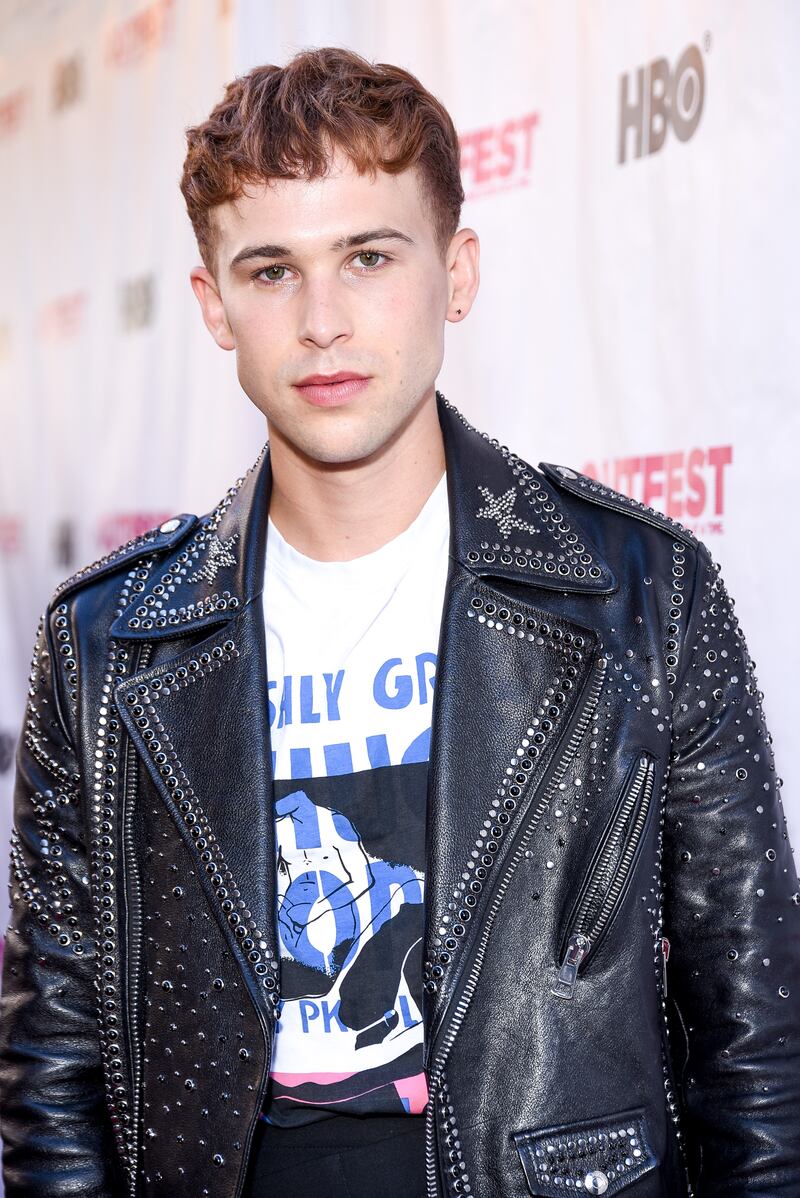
point(331, 390)
point(341, 376)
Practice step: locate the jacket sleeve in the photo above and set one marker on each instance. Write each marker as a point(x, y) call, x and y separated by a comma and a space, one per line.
point(56, 1133)
point(732, 914)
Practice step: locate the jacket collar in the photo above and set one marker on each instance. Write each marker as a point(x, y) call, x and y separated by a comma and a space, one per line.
point(505, 522)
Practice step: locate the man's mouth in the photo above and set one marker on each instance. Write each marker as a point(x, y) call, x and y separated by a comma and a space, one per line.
point(330, 390)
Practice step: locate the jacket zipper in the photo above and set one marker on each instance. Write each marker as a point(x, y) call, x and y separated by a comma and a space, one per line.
point(579, 726)
point(669, 1073)
point(134, 941)
point(604, 887)
point(431, 1169)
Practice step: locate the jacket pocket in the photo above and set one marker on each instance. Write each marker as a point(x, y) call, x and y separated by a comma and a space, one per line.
point(599, 1156)
point(606, 881)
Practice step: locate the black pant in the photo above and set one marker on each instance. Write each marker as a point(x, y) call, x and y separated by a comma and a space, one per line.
point(340, 1157)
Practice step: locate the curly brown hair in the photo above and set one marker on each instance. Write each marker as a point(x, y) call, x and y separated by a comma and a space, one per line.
point(285, 123)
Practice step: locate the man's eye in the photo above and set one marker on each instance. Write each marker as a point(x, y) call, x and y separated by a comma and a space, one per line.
point(272, 278)
point(370, 254)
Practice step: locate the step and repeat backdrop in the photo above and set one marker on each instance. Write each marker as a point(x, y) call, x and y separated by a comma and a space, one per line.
point(631, 168)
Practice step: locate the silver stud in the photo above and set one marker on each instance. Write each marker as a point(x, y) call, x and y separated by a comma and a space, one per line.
point(170, 525)
point(596, 1182)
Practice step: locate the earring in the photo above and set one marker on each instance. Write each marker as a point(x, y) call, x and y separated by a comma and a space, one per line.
point(458, 311)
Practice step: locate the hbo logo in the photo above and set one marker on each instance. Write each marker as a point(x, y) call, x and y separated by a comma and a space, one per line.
point(661, 98)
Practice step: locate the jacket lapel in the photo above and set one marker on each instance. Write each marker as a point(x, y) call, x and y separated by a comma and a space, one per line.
point(508, 687)
point(505, 522)
point(515, 687)
point(199, 719)
point(199, 722)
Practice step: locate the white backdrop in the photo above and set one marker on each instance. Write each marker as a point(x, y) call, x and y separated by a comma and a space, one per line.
point(631, 169)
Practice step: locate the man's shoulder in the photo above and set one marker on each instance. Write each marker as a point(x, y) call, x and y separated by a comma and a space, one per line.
point(99, 593)
point(595, 493)
point(156, 541)
point(562, 496)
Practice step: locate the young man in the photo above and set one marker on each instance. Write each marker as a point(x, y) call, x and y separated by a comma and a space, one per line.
point(292, 917)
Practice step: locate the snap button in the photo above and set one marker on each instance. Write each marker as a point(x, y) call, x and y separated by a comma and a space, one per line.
point(170, 525)
point(596, 1182)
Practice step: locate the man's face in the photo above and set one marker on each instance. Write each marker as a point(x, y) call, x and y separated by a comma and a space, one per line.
point(326, 297)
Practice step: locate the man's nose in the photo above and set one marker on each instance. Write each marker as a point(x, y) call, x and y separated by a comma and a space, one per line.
point(324, 313)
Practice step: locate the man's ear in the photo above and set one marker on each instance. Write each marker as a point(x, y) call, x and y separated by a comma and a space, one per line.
point(205, 288)
point(463, 270)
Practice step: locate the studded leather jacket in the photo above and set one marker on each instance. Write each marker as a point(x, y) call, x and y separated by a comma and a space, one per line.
point(612, 973)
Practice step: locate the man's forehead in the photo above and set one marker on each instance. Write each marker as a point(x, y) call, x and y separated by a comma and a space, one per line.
point(325, 208)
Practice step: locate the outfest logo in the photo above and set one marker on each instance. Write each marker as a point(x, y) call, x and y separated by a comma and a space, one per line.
point(10, 533)
point(132, 39)
point(63, 316)
point(656, 98)
point(498, 157)
point(13, 106)
point(688, 485)
point(116, 528)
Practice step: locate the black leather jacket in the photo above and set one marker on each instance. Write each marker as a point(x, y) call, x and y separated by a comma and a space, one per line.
point(602, 800)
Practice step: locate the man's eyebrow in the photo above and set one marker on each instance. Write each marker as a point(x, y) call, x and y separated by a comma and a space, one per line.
point(385, 233)
point(260, 251)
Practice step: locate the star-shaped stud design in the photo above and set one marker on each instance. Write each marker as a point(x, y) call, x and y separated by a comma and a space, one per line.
point(501, 509)
point(219, 554)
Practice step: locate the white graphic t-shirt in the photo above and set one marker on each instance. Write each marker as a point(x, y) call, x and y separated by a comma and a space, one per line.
point(351, 664)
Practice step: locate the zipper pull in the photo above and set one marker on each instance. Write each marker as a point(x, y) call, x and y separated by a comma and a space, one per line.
point(664, 958)
point(577, 948)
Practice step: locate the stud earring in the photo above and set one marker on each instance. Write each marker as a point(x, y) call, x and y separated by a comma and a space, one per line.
point(458, 311)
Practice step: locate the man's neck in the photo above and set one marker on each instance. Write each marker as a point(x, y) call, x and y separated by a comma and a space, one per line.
point(339, 514)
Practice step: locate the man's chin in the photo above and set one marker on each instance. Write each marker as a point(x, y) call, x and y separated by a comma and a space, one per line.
point(342, 447)
point(345, 455)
